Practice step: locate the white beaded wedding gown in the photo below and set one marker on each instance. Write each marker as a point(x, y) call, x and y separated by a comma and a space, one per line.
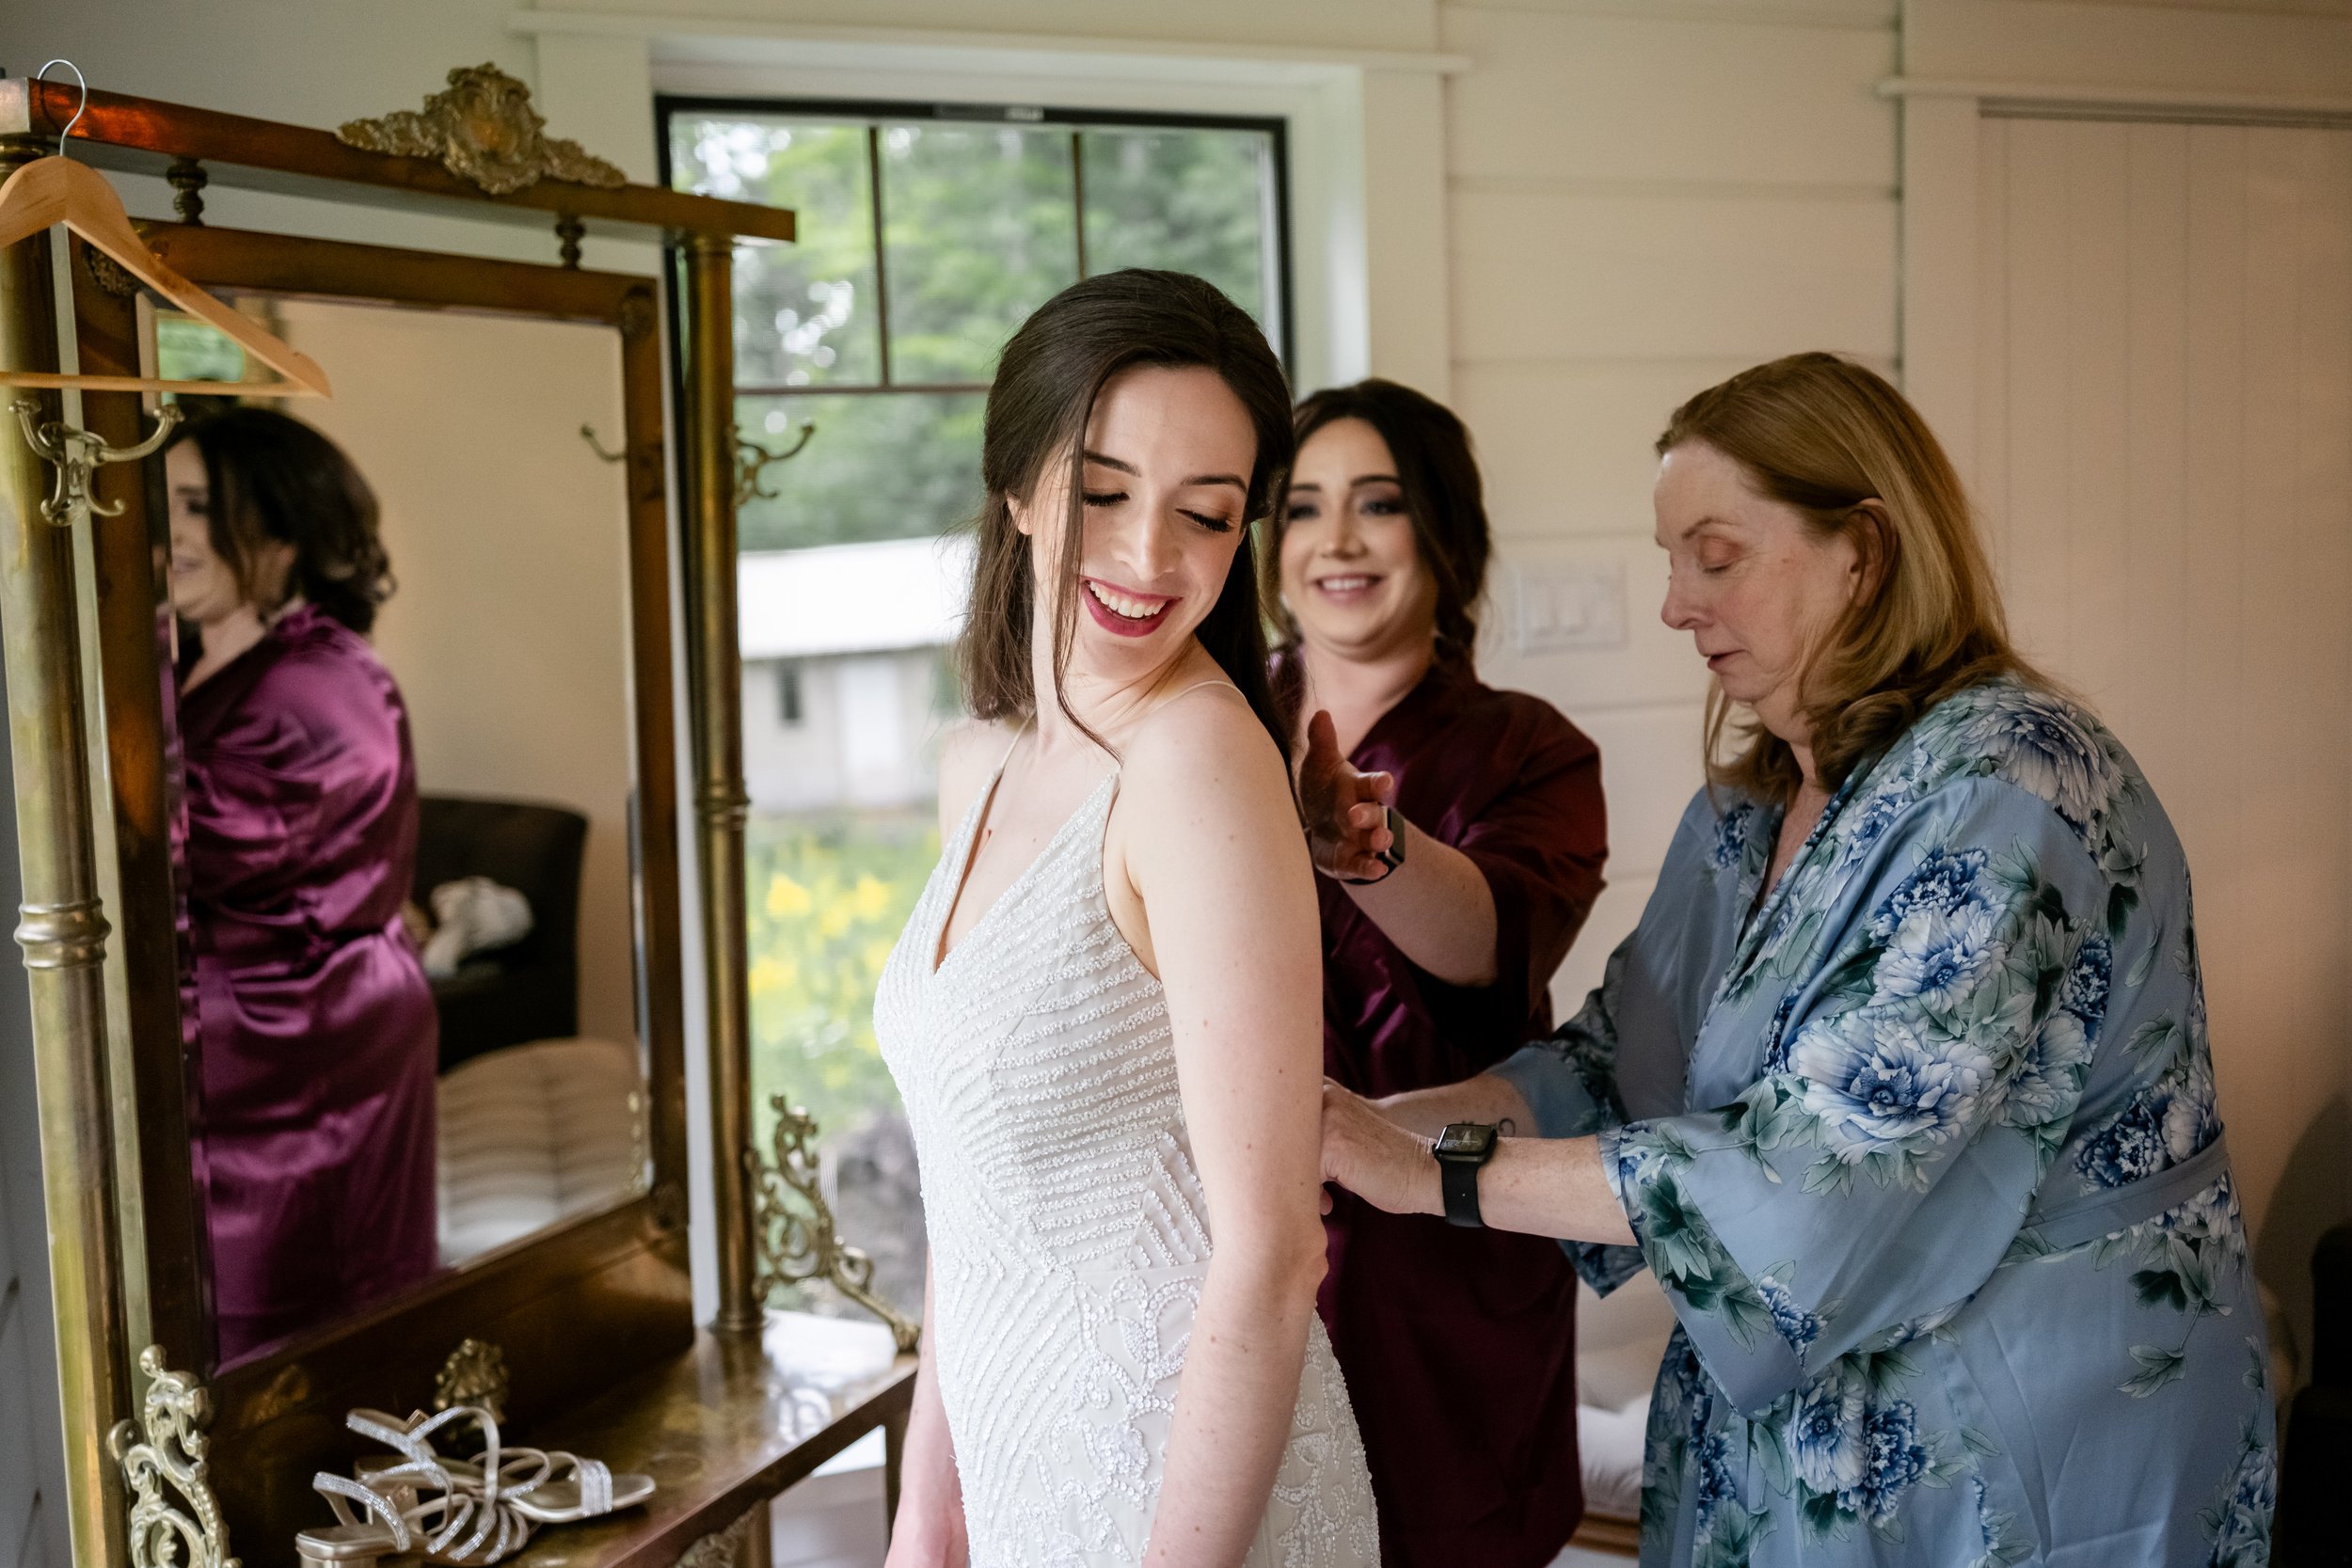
point(1069, 1234)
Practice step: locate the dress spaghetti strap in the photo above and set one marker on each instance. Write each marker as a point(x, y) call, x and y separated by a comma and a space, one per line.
point(1216, 680)
point(1008, 746)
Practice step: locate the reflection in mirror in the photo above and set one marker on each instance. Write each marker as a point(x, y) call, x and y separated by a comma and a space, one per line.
point(403, 671)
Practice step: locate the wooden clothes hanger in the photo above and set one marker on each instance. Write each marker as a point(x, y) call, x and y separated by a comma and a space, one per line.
point(55, 189)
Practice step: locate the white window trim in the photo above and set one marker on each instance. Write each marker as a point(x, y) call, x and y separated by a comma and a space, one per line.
point(1365, 128)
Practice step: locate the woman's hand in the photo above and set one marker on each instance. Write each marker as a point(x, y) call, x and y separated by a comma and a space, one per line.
point(1540, 1186)
point(1346, 812)
point(1436, 907)
point(1385, 1164)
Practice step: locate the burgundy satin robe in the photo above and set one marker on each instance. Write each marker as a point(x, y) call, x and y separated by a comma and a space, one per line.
point(1459, 1346)
point(315, 1027)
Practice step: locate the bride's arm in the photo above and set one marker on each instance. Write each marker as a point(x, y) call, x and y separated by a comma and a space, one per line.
point(1210, 845)
point(928, 1532)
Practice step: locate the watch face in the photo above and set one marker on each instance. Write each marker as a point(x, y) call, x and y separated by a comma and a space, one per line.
point(1466, 1138)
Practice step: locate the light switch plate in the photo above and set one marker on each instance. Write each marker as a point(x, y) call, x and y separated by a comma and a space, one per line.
point(1559, 603)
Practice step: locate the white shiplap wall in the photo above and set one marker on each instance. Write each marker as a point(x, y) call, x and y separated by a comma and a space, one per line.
point(1642, 200)
point(2164, 401)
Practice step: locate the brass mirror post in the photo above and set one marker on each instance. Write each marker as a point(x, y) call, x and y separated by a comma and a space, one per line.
point(721, 804)
point(63, 931)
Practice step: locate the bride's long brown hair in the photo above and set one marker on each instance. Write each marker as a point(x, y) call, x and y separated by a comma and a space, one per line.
point(1046, 384)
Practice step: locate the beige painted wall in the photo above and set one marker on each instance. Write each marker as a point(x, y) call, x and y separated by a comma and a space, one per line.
point(509, 631)
point(2165, 453)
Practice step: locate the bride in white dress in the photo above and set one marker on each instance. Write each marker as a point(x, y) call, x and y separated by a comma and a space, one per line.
point(1104, 1014)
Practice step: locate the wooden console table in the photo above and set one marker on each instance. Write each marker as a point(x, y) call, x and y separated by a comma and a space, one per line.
point(724, 1428)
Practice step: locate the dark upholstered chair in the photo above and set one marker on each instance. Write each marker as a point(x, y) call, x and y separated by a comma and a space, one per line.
point(2319, 1452)
point(531, 990)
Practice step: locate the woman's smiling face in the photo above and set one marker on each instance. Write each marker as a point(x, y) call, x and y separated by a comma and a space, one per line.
point(1168, 460)
point(203, 587)
point(1352, 571)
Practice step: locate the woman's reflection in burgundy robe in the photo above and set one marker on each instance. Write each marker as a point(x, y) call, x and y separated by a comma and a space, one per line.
point(1459, 1346)
point(315, 1027)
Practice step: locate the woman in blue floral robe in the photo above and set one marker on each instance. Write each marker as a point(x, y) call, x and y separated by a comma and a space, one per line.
point(1921, 1142)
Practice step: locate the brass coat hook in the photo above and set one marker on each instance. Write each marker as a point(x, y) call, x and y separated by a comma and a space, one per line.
point(752, 460)
point(78, 455)
point(588, 434)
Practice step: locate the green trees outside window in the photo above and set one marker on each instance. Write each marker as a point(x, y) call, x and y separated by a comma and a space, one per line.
point(882, 324)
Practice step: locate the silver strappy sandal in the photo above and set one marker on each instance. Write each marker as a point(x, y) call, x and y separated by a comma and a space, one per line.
point(423, 1501)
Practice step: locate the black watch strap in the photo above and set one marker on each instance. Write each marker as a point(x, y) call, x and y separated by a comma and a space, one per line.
point(1459, 1180)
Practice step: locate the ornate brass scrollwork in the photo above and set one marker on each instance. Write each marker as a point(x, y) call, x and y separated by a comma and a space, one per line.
point(187, 1533)
point(793, 1230)
point(108, 274)
point(726, 1548)
point(475, 1373)
point(484, 129)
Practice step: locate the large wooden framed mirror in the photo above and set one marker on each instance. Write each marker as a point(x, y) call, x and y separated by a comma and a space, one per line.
point(361, 1178)
point(274, 1196)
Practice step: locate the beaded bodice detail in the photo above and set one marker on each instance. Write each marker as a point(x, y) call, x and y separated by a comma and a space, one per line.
point(1068, 1231)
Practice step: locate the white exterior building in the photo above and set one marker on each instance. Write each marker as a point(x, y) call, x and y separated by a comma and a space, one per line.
point(845, 678)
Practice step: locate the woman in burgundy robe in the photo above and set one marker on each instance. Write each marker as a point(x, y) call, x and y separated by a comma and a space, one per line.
point(1459, 1345)
point(316, 1031)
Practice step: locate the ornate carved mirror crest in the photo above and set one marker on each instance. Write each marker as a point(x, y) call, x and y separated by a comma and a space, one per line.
point(484, 129)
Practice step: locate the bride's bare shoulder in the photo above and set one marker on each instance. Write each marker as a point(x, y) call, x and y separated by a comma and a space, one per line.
point(1206, 738)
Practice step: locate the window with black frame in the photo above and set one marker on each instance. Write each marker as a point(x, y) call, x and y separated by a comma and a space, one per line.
point(928, 233)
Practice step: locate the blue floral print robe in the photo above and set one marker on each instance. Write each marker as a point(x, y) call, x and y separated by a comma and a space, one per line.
point(1925, 1156)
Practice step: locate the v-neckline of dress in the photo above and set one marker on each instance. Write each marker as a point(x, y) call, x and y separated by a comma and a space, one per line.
point(967, 848)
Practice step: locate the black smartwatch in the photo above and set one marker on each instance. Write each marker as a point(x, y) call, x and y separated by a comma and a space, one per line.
point(1392, 857)
point(1462, 1149)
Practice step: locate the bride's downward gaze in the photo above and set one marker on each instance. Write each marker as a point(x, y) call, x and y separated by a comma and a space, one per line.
point(1104, 1012)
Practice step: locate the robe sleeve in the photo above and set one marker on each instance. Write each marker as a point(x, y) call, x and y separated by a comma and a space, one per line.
point(1581, 1078)
point(1866, 1186)
point(313, 747)
point(1540, 844)
point(1570, 1082)
point(252, 810)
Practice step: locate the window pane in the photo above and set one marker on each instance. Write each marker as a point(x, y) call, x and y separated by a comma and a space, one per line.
point(982, 228)
point(1189, 200)
point(895, 465)
point(804, 313)
point(829, 892)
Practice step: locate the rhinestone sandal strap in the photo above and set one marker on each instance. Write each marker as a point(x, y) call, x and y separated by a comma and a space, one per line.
point(335, 1489)
point(595, 1487)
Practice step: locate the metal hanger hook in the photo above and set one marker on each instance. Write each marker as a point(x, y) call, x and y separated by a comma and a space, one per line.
point(80, 109)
